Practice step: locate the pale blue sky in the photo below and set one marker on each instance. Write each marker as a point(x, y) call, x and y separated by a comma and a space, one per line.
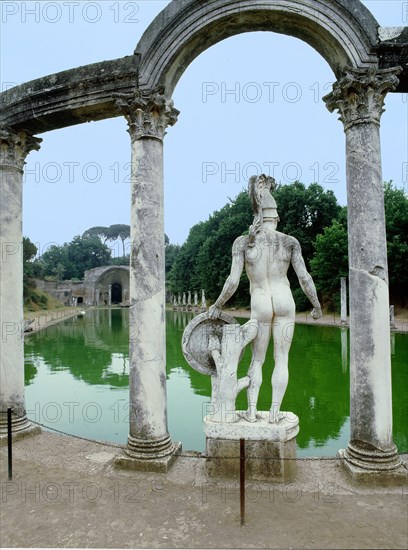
point(274, 121)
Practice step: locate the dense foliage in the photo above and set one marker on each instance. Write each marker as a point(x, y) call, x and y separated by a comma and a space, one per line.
point(313, 216)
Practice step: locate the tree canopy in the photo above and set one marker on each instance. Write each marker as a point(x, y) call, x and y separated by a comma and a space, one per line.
point(310, 214)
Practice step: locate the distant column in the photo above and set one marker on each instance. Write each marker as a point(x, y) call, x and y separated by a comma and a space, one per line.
point(343, 300)
point(359, 98)
point(109, 295)
point(14, 148)
point(149, 444)
point(203, 302)
point(189, 301)
point(392, 317)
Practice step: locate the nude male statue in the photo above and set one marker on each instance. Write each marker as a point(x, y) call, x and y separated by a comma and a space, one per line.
point(266, 255)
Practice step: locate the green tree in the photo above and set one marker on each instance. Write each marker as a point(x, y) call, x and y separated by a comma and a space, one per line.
point(119, 231)
point(396, 216)
point(304, 212)
point(71, 260)
point(29, 271)
point(204, 260)
point(98, 231)
point(86, 253)
point(330, 262)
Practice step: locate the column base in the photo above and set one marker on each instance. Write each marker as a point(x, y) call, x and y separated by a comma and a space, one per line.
point(20, 427)
point(372, 467)
point(270, 449)
point(149, 462)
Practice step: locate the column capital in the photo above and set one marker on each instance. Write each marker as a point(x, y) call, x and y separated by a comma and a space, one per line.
point(148, 113)
point(15, 146)
point(359, 95)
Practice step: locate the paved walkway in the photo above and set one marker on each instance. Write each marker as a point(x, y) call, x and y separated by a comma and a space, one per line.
point(66, 493)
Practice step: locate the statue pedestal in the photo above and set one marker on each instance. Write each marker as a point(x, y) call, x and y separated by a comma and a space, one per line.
point(270, 449)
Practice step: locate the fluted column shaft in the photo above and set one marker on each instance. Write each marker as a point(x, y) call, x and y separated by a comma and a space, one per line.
point(359, 97)
point(14, 147)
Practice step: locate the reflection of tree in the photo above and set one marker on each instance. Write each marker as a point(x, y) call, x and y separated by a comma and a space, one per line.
point(400, 392)
point(85, 346)
point(30, 372)
point(318, 390)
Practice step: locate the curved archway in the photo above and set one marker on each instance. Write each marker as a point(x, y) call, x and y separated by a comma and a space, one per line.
point(344, 33)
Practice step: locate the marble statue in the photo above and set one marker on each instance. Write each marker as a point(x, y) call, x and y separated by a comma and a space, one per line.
point(266, 255)
point(225, 385)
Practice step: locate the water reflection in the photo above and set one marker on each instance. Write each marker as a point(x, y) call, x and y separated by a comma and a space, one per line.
point(86, 359)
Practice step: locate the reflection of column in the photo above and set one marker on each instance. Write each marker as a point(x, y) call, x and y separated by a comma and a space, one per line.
point(109, 295)
point(343, 300)
point(392, 343)
point(392, 317)
point(14, 147)
point(344, 349)
point(359, 97)
point(149, 443)
point(110, 319)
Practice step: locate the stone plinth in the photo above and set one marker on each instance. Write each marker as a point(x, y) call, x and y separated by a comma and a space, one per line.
point(373, 468)
point(270, 449)
point(160, 464)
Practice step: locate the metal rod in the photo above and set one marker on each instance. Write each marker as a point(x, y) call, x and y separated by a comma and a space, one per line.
point(9, 444)
point(242, 478)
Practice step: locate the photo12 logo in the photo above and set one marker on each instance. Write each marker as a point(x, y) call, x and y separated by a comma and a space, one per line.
point(69, 12)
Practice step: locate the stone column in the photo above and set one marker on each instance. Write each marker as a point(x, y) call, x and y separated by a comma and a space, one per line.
point(109, 295)
point(14, 147)
point(359, 98)
point(343, 300)
point(392, 317)
point(149, 443)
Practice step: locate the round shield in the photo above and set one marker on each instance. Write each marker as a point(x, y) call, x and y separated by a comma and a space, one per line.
point(195, 341)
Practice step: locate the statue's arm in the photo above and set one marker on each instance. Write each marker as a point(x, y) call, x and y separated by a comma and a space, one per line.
point(305, 279)
point(232, 282)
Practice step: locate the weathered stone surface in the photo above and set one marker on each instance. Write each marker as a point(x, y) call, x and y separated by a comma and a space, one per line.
point(266, 254)
point(14, 147)
point(371, 473)
point(270, 449)
point(196, 337)
point(343, 32)
point(286, 429)
point(392, 51)
point(70, 97)
point(359, 97)
point(148, 464)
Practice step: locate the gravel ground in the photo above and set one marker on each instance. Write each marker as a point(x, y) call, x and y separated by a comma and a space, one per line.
point(65, 492)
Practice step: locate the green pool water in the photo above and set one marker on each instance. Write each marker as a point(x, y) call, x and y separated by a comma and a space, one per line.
point(77, 380)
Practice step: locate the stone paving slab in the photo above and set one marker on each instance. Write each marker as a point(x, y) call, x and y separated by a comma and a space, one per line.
point(66, 492)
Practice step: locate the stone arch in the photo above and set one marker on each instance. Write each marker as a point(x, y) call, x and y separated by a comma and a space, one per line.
point(344, 33)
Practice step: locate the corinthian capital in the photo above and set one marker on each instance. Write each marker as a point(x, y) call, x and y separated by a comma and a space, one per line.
point(359, 94)
point(15, 146)
point(148, 113)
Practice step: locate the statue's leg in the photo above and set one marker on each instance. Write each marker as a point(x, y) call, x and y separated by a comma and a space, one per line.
point(259, 347)
point(282, 330)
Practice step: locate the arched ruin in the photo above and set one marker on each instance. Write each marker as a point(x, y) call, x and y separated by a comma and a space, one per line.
point(367, 61)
